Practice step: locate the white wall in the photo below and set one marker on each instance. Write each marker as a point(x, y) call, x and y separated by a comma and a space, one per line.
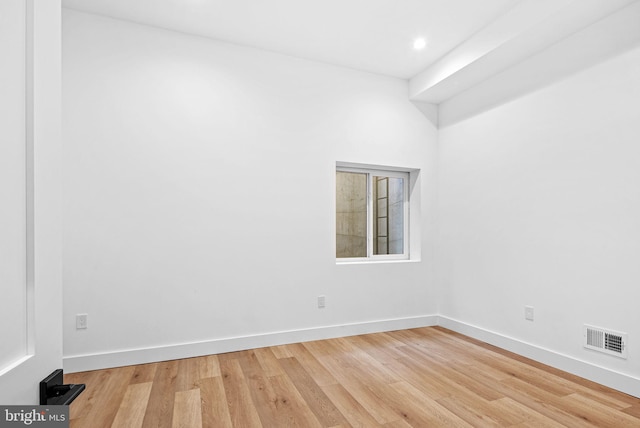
point(539, 204)
point(199, 194)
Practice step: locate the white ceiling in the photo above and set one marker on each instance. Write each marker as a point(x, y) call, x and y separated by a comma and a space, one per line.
point(477, 49)
point(369, 35)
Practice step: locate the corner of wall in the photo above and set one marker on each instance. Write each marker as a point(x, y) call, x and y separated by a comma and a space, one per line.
point(97, 361)
point(613, 379)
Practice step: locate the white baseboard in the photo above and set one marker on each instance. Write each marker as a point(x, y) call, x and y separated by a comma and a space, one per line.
point(619, 381)
point(80, 363)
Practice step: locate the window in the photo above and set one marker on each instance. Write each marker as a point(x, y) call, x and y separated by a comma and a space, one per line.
point(372, 214)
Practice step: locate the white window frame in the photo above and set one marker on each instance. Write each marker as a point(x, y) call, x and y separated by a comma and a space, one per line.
point(371, 172)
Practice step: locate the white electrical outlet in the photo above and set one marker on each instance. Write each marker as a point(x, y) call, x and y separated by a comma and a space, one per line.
point(321, 302)
point(81, 321)
point(528, 313)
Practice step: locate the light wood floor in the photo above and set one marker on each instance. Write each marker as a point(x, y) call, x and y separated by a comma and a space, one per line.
point(426, 377)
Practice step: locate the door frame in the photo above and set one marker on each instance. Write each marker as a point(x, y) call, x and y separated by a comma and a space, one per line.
point(19, 382)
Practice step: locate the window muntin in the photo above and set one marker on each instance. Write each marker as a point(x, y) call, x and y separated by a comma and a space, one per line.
point(372, 214)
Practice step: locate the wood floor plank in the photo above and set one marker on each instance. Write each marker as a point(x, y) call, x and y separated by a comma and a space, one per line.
point(545, 404)
point(113, 385)
point(449, 348)
point(455, 380)
point(361, 392)
point(241, 407)
point(276, 398)
point(187, 410)
point(209, 366)
point(268, 361)
point(487, 371)
point(134, 406)
point(366, 364)
point(160, 408)
point(608, 400)
point(477, 414)
point(397, 424)
point(281, 351)
point(262, 395)
point(633, 411)
point(403, 398)
point(359, 365)
point(317, 371)
point(321, 348)
point(386, 339)
point(507, 411)
point(430, 383)
point(417, 378)
point(317, 401)
point(427, 376)
point(377, 347)
point(215, 411)
point(349, 407)
point(83, 404)
point(552, 384)
point(144, 373)
point(292, 409)
point(188, 373)
point(599, 414)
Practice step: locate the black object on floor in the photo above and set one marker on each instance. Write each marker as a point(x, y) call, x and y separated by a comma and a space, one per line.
point(54, 392)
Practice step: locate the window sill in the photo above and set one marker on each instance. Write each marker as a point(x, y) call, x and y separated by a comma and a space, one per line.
point(375, 262)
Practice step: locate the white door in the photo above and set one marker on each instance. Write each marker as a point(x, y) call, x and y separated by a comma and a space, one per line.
point(30, 224)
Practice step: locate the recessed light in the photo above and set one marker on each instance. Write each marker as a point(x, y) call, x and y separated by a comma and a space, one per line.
point(419, 43)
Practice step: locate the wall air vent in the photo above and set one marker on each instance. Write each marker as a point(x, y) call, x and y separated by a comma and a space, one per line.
point(607, 341)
